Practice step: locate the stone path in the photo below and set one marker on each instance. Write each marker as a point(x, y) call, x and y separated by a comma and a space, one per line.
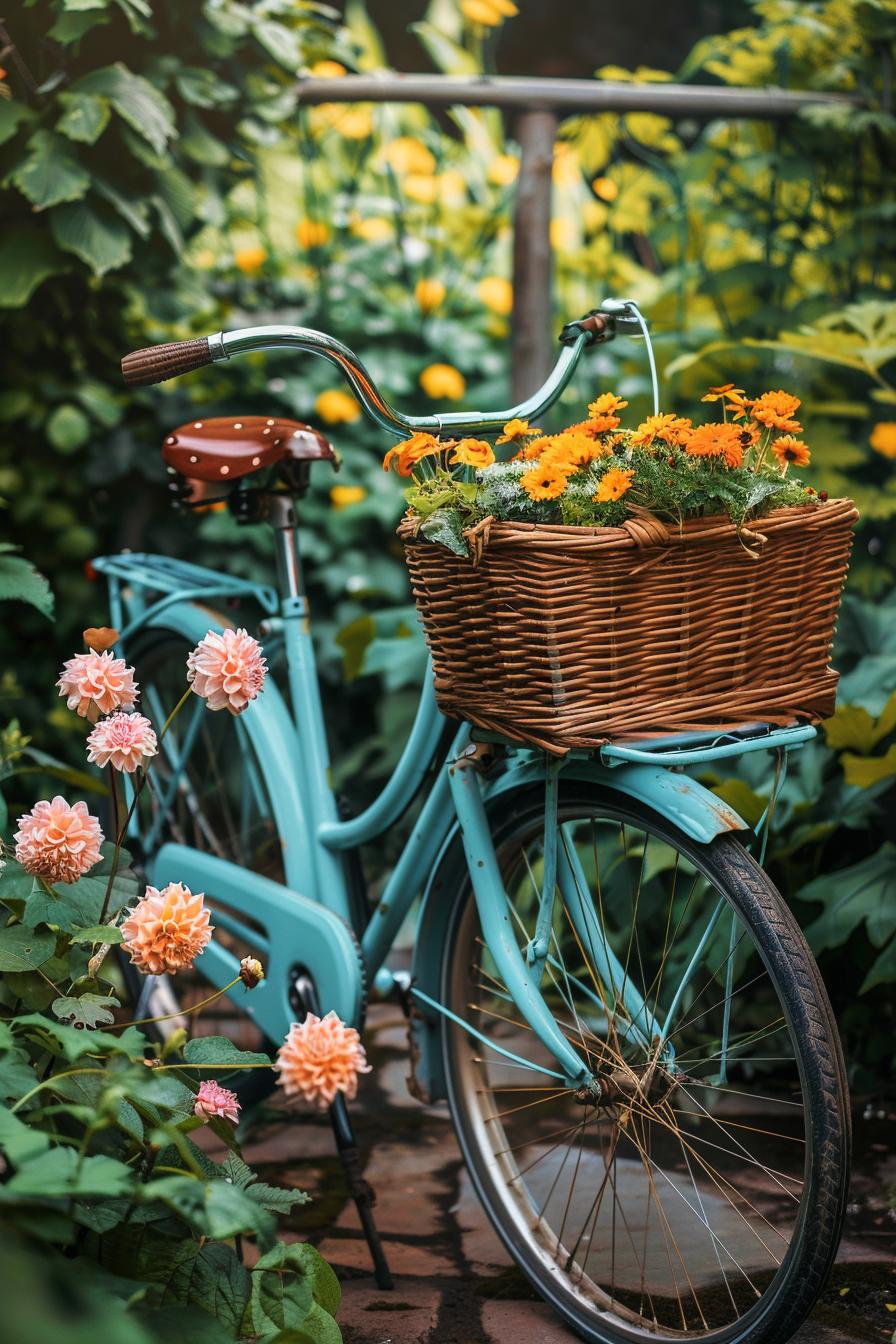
point(455, 1284)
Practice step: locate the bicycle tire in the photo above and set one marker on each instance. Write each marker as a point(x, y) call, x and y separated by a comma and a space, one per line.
point(787, 960)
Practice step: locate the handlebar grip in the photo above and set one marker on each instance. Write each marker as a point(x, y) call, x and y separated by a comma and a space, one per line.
point(157, 363)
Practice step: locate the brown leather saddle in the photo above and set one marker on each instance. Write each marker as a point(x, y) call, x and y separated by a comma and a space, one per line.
point(227, 447)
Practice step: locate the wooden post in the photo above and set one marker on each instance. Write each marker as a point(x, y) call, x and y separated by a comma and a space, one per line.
point(532, 340)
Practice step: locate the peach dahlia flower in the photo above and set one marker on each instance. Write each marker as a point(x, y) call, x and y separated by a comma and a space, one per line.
point(227, 669)
point(166, 930)
point(58, 842)
point(214, 1100)
point(320, 1057)
point(97, 683)
point(122, 740)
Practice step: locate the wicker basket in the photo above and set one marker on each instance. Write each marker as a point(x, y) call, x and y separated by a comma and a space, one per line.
point(572, 636)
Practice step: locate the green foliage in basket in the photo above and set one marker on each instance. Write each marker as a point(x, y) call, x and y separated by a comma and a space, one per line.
point(597, 473)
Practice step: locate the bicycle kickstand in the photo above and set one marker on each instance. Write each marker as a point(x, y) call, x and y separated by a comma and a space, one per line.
point(361, 1191)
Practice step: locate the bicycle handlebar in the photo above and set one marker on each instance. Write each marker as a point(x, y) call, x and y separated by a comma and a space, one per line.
point(157, 363)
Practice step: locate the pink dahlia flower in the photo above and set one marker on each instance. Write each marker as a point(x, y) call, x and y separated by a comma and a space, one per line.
point(227, 669)
point(212, 1100)
point(320, 1057)
point(166, 931)
point(97, 683)
point(58, 842)
point(124, 740)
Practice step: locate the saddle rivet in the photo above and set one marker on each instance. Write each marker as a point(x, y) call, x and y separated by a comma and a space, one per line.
point(193, 457)
point(225, 471)
point(269, 422)
point(266, 431)
point(198, 424)
point(238, 424)
point(171, 439)
point(256, 461)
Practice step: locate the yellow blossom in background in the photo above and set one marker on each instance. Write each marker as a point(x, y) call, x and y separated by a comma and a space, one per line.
point(452, 187)
point(497, 294)
point(337, 407)
point(421, 188)
point(250, 260)
point(503, 170)
point(351, 121)
point(312, 233)
point(565, 170)
point(204, 259)
point(327, 70)
point(443, 382)
point(407, 155)
point(488, 13)
point(613, 485)
point(883, 438)
point(377, 229)
point(605, 188)
point(563, 235)
point(429, 294)
point(341, 496)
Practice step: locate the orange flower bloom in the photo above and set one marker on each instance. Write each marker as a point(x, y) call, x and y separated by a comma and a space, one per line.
point(472, 453)
point(613, 485)
point(545, 481)
point(672, 429)
point(598, 424)
point(166, 930)
point(517, 429)
point(775, 411)
point(407, 454)
point(58, 842)
point(320, 1057)
point(573, 450)
point(606, 404)
point(883, 438)
point(727, 391)
point(787, 449)
point(724, 441)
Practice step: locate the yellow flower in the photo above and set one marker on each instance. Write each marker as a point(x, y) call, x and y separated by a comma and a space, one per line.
point(407, 155)
point(205, 259)
point(327, 70)
point(497, 294)
point(671, 429)
point(409, 452)
point(488, 13)
point(452, 187)
point(311, 233)
point(608, 403)
point(563, 235)
point(565, 170)
point(605, 188)
point(724, 441)
point(775, 410)
point(883, 438)
point(377, 229)
point(443, 381)
point(421, 187)
point(573, 450)
point(716, 393)
point(503, 170)
point(341, 496)
point(517, 429)
point(354, 123)
point(429, 294)
point(544, 482)
point(472, 453)
point(250, 260)
point(613, 485)
point(789, 450)
point(337, 407)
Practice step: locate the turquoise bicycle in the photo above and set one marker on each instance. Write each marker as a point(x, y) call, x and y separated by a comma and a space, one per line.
point(634, 1042)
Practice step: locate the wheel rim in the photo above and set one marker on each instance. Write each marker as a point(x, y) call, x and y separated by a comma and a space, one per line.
point(672, 1206)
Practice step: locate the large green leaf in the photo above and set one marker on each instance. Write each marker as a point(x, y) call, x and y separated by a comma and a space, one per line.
point(282, 1293)
point(27, 258)
point(16, 1074)
point(214, 1209)
point(136, 100)
point(78, 905)
point(50, 173)
point(72, 1044)
point(102, 242)
point(858, 895)
point(85, 117)
point(65, 1172)
point(86, 1010)
point(219, 1050)
point(20, 581)
point(12, 114)
point(20, 1142)
point(208, 1276)
point(24, 949)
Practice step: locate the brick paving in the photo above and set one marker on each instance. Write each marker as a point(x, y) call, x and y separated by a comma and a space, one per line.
point(454, 1283)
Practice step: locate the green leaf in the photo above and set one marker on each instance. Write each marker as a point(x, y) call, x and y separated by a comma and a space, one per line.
point(136, 100)
point(23, 949)
point(16, 1074)
point(317, 1328)
point(180, 1325)
point(134, 212)
point(445, 527)
point(864, 771)
point(883, 971)
point(98, 933)
point(68, 428)
point(85, 118)
point(102, 243)
point(64, 1172)
point(276, 1199)
point(72, 1044)
point(853, 896)
point(19, 1142)
point(21, 582)
point(282, 1293)
point(50, 174)
point(214, 1209)
point(12, 114)
point(87, 1010)
point(27, 258)
point(77, 905)
point(219, 1050)
point(208, 1276)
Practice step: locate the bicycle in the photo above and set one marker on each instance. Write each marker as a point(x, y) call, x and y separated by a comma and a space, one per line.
point(636, 1047)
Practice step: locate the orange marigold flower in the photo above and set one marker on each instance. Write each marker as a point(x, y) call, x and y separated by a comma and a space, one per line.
point(320, 1057)
point(58, 842)
point(472, 453)
point(724, 441)
point(598, 424)
point(775, 411)
point(517, 429)
point(613, 485)
point(725, 391)
point(410, 451)
point(606, 404)
point(573, 450)
point(534, 448)
point(672, 429)
point(545, 481)
point(166, 930)
point(883, 438)
point(787, 449)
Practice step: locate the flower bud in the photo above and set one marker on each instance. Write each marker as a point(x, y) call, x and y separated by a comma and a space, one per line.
point(251, 972)
point(100, 637)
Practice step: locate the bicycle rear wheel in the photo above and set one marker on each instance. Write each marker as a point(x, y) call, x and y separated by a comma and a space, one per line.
point(702, 1198)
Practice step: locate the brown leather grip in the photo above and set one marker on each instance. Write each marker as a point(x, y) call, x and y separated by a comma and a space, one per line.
point(157, 363)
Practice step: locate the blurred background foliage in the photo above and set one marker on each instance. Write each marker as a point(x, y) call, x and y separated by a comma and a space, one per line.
point(161, 179)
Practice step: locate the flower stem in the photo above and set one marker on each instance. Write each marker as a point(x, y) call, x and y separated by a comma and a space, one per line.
point(182, 1012)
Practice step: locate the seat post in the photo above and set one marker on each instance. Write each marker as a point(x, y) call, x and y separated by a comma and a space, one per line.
point(284, 521)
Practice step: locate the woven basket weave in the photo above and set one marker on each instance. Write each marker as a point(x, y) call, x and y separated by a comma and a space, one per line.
point(573, 636)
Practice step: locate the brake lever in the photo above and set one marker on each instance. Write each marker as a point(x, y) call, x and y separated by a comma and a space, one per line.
point(614, 317)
